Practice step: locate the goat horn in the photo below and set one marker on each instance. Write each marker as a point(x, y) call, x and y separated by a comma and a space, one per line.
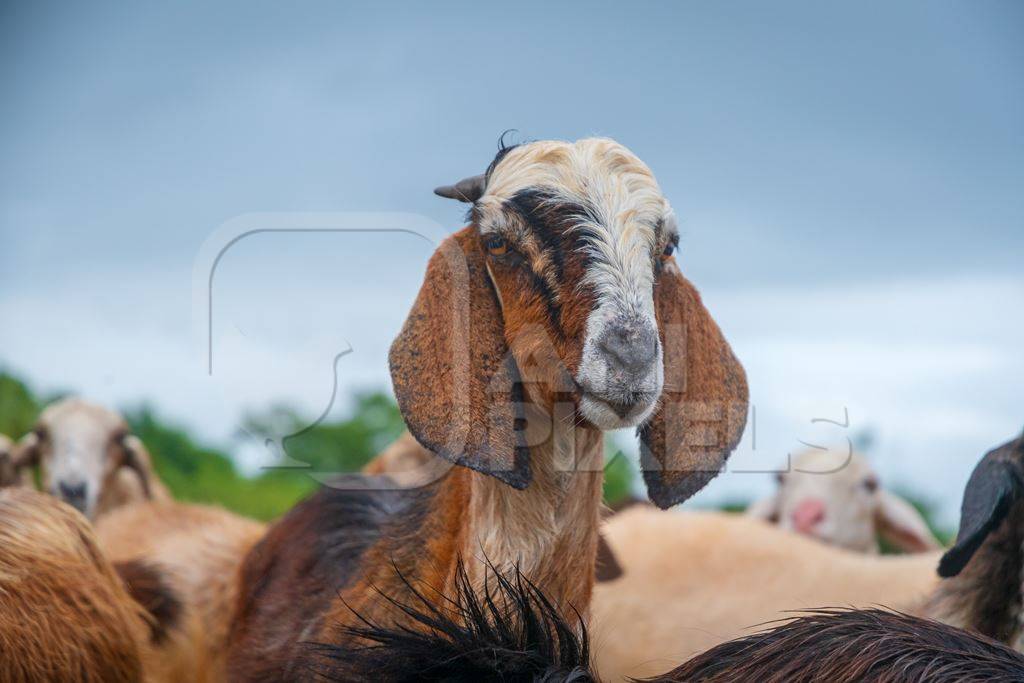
point(466, 190)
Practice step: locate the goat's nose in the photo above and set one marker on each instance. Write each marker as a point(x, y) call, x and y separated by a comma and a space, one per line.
point(808, 514)
point(74, 494)
point(630, 348)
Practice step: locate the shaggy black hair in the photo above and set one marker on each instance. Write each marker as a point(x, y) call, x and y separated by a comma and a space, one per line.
point(843, 646)
point(510, 634)
point(503, 149)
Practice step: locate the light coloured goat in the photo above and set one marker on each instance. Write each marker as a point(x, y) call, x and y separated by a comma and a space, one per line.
point(836, 497)
point(88, 458)
point(693, 580)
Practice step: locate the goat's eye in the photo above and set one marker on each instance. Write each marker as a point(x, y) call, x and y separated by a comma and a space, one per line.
point(670, 248)
point(871, 484)
point(496, 245)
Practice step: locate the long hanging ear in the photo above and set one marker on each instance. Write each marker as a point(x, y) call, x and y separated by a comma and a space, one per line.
point(995, 486)
point(26, 453)
point(703, 407)
point(900, 524)
point(456, 383)
point(136, 458)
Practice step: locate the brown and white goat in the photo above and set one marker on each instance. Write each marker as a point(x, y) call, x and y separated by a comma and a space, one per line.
point(64, 613)
point(557, 313)
point(836, 497)
point(88, 458)
point(692, 581)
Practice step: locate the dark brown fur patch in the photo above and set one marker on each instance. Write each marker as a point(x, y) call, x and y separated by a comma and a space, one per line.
point(150, 589)
point(863, 646)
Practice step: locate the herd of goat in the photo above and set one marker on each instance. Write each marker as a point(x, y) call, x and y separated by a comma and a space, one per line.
point(477, 547)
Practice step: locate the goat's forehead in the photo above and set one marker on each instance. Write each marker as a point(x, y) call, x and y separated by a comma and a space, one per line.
point(76, 417)
point(597, 173)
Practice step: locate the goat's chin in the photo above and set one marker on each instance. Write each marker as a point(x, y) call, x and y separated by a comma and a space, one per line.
point(601, 415)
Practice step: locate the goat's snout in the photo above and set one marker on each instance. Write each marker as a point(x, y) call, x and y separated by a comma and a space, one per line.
point(73, 493)
point(808, 514)
point(629, 347)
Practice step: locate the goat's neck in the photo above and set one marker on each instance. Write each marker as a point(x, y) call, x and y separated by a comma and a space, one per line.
point(549, 529)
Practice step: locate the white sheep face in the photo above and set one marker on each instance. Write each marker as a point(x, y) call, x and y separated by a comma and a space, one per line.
point(835, 497)
point(80, 449)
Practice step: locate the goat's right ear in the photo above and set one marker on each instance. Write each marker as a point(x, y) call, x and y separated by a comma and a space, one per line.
point(456, 382)
point(995, 486)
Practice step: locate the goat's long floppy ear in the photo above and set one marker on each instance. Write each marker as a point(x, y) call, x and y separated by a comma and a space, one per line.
point(995, 486)
point(704, 403)
point(26, 452)
point(136, 458)
point(456, 383)
point(902, 525)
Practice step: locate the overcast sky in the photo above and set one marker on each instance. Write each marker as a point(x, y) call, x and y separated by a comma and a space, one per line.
point(848, 181)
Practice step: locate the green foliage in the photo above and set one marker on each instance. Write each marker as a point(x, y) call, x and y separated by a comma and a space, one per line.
point(618, 474)
point(344, 446)
point(202, 474)
point(18, 407)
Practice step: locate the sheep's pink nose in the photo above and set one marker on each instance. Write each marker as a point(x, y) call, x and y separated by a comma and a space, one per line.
point(808, 514)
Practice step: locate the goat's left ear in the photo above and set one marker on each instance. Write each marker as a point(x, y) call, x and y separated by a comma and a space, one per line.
point(456, 382)
point(135, 457)
point(703, 406)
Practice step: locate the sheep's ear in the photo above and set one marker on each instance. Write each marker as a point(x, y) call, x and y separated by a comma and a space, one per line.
point(466, 190)
point(136, 458)
point(456, 382)
point(704, 403)
point(26, 452)
point(900, 524)
point(766, 509)
point(995, 486)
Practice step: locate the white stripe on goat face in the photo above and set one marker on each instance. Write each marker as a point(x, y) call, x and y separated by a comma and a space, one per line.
point(622, 227)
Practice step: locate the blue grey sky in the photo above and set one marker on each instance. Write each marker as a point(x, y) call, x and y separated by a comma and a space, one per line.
point(848, 181)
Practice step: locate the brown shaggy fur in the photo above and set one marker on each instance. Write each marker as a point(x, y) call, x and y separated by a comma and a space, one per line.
point(64, 614)
point(859, 646)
